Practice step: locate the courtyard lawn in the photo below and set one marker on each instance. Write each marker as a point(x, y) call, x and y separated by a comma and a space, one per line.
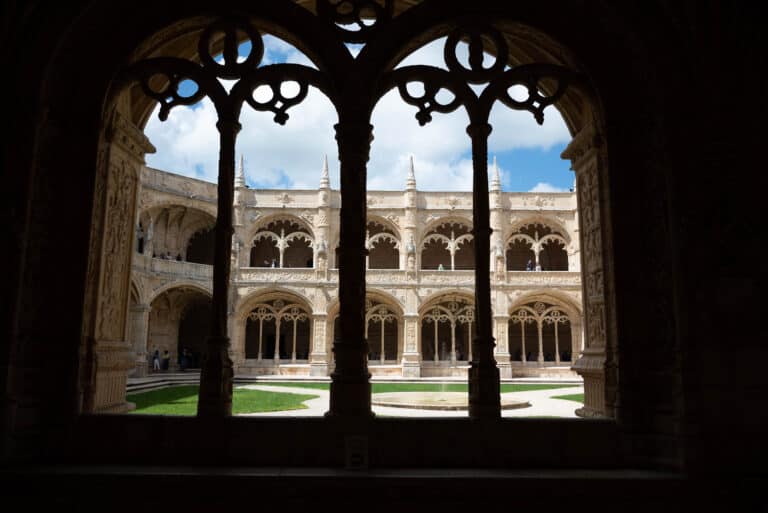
point(182, 400)
point(424, 387)
point(579, 398)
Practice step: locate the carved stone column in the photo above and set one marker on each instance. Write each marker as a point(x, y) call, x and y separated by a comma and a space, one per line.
point(597, 363)
point(409, 260)
point(106, 354)
point(323, 226)
point(318, 357)
point(411, 362)
point(503, 359)
point(139, 328)
point(577, 339)
point(350, 380)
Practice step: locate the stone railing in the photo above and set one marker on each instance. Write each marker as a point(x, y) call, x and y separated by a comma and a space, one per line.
point(465, 278)
point(277, 275)
point(174, 268)
point(543, 278)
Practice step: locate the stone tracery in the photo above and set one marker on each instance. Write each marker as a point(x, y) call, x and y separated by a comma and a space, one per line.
point(544, 84)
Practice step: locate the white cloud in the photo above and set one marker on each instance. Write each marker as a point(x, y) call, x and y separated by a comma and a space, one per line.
point(291, 155)
point(546, 187)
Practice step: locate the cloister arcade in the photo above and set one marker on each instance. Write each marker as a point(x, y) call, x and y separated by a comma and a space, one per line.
point(419, 312)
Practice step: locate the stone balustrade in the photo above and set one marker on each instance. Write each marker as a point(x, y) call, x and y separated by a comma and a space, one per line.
point(172, 268)
point(520, 279)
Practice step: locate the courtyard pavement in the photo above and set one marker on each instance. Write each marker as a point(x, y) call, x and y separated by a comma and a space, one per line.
point(542, 404)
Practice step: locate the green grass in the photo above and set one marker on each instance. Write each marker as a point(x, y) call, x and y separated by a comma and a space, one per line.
point(423, 387)
point(579, 398)
point(182, 400)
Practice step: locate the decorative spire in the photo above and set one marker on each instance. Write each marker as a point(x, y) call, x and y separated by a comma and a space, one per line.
point(410, 182)
point(325, 182)
point(240, 178)
point(496, 180)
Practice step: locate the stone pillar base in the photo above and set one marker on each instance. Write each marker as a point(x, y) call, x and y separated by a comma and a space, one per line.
point(505, 365)
point(113, 361)
point(484, 391)
point(411, 370)
point(411, 365)
point(318, 368)
point(591, 367)
point(141, 369)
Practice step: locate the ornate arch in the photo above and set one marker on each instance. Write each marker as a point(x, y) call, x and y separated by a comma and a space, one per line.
point(432, 225)
point(184, 284)
point(552, 222)
point(554, 297)
point(454, 313)
point(386, 223)
point(265, 221)
point(247, 303)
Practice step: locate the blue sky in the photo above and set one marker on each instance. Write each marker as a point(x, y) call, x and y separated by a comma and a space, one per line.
point(291, 156)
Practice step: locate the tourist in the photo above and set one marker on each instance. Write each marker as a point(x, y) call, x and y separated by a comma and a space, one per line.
point(440, 267)
point(166, 360)
point(156, 360)
point(529, 265)
point(183, 360)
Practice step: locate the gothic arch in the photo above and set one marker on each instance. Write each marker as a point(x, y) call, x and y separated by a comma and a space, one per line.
point(431, 298)
point(383, 244)
point(384, 324)
point(262, 222)
point(182, 222)
point(435, 223)
point(183, 284)
point(550, 329)
point(546, 251)
point(447, 244)
point(565, 301)
point(447, 326)
point(247, 303)
point(555, 224)
point(387, 223)
point(281, 241)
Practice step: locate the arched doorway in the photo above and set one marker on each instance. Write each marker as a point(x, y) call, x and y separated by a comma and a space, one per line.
point(179, 320)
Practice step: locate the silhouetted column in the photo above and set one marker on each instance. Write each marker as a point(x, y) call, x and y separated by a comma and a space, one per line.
point(350, 381)
point(216, 374)
point(484, 393)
